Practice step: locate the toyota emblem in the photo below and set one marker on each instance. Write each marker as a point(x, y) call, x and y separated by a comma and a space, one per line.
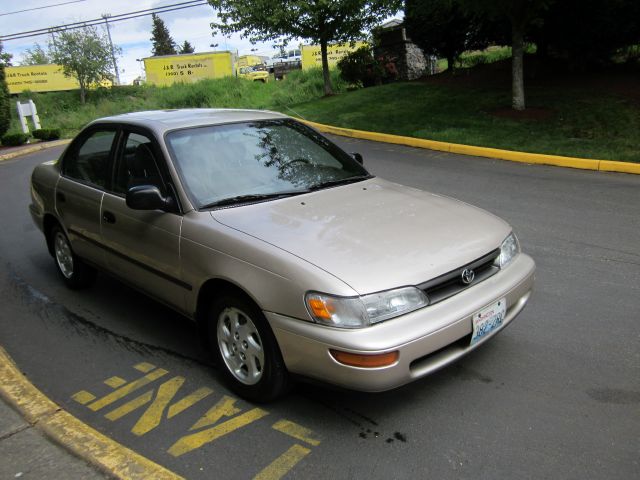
point(467, 276)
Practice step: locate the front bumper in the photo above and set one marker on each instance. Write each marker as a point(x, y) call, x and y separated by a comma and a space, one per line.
point(427, 339)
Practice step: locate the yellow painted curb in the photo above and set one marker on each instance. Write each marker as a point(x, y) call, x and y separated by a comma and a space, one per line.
point(34, 148)
point(611, 166)
point(65, 429)
point(524, 157)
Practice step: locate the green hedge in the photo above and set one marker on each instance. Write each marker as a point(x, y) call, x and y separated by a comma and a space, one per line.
point(14, 139)
point(46, 134)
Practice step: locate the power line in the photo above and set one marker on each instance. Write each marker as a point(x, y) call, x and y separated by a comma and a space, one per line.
point(40, 8)
point(99, 21)
point(122, 16)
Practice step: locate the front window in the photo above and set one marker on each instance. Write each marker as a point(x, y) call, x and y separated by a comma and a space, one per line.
point(242, 162)
point(137, 165)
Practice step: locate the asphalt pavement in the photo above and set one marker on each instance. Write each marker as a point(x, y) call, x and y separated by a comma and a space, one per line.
point(556, 395)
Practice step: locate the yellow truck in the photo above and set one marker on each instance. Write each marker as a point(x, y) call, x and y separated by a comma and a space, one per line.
point(249, 60)
point(189, 68)
point(255, 73)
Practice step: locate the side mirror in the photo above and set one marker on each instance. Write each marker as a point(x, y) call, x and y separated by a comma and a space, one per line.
point(147, 197)
point(358, 158)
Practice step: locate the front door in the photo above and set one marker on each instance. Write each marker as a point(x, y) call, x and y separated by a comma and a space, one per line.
point(142, 247)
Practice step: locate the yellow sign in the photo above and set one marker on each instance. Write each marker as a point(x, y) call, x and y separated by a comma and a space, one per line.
point(170, 69)
point(41, 78)
point(312, 57)
point(38, 78)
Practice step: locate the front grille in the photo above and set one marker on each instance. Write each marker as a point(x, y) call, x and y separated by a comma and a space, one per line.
point(449, 284)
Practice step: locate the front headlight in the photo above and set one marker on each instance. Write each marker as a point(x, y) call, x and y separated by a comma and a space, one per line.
point(357, 312)
point(508, 251)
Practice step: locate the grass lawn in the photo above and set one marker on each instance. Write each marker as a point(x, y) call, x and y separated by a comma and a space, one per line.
point(592, 117)
point(596, 116)
point(63, 109)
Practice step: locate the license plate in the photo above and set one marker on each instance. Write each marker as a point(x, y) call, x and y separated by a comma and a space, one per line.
point(488, 319)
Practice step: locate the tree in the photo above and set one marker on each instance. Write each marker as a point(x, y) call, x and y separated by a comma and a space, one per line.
point(162, 42)
point(5, 112)
point(186, 48)
point(615, 26)
point(35, 56)
point(5, 57)
point(520, 15)
point(445, 28)
point(320, 21)
point(84, 54)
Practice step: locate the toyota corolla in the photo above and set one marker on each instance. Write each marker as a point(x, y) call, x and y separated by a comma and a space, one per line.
point(292, 258)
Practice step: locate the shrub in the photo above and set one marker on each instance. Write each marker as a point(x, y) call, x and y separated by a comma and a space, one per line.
point(46, 134)
point(358, 68)
point(14, 139)
point(5, 113)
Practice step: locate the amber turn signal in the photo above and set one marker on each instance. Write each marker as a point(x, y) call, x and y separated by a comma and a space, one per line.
point(320, 309)
point(365, 361)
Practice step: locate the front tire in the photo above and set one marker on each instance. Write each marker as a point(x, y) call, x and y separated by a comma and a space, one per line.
point(246, 349)
point(74, 272)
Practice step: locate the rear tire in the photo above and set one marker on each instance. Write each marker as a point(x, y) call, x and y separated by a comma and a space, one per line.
point(74, 272)
point(245, 349)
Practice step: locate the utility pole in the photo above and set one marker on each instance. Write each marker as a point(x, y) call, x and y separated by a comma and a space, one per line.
point(113, 55)
point(53, 41)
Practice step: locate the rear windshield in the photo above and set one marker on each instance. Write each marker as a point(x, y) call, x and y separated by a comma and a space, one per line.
point(267, 157)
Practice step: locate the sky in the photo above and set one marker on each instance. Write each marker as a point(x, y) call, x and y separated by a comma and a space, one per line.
point(132, 36)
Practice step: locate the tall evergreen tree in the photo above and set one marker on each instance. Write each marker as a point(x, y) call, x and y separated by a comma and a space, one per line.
point(162, 42)
point(186, 48)
point(5, 117)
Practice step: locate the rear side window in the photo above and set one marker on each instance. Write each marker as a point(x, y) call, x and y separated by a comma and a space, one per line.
point(89, 163)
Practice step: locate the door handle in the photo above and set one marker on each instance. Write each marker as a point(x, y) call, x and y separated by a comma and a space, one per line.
point(108, 217)
point(60, 197)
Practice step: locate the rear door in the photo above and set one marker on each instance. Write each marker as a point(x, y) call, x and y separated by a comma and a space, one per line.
point(86, 173)
point(143, 247)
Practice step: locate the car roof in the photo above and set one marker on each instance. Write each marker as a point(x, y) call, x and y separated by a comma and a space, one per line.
point(162, 121)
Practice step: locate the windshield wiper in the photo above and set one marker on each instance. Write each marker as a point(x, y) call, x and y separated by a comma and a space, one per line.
point(340, 181)
point(252, 197)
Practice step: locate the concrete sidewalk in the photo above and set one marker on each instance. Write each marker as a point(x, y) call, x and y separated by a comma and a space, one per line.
point(7, 153)
point(27, 453)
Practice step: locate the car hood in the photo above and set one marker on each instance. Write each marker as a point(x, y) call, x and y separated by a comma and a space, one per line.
point(373, 235)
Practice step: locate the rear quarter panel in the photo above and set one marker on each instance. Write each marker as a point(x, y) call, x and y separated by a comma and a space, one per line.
point(43, 187)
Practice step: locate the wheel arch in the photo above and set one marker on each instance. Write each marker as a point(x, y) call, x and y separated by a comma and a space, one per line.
point(48, 222)
point(211, 289)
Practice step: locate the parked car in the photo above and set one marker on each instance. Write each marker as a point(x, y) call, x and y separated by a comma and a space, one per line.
point(287, 252)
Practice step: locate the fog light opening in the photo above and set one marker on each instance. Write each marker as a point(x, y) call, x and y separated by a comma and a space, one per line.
point(365, 360)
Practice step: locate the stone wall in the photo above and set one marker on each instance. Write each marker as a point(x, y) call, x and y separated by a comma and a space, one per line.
point(410, 62)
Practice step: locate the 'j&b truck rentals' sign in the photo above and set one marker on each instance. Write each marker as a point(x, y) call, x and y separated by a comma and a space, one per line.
point(38, 78)
point(168, 69)
point(312, 57)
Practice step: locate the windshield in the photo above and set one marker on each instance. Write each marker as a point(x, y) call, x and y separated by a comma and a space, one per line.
point(242, 162)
